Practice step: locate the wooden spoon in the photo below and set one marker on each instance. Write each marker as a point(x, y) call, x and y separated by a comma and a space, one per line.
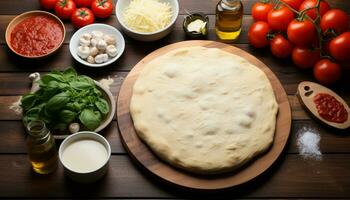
point(306, 93)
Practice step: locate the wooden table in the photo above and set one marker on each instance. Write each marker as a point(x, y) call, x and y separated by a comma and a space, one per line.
point(290, 177)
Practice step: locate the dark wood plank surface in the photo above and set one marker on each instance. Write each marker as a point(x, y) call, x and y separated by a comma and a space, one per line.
point(290, 177)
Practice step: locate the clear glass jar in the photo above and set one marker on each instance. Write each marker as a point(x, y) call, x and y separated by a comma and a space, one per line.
point(41, 148)
point(229, 15)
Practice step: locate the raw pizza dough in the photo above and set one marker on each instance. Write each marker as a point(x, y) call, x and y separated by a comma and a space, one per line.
point(204, 110)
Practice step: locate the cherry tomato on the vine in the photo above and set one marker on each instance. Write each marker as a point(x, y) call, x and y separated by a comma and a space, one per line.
point(102, 8)
point(260, 11)
point(83, 3)
point(293, 3)
point(301, 33)
point(327, 72)
point(336, 20)
point(279, 19)
point(281, 47)
point(82, 17)
point(257, 34)
point(48, 4)
point(340, 47)
point(65, 8)
point(312, 13)
point(305, 58)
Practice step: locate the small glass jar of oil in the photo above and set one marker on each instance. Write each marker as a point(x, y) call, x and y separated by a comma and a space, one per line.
point(41, 148)
point(229, 14)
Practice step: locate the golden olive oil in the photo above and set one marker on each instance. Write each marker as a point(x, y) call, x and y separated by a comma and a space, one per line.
point(41, 148)
point(229, 14)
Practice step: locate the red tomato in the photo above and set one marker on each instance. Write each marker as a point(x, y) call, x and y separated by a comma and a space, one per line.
point(293, 3)
point(324, 7)
point(48, 4)
point(305, 58)
point(335, 19)
point(301, 33)
point(65, 8)
point(340, 47)
point(327, 72)
point(102, 8)
point(257, 34)
point(280, 18)
point(83, 3)
point(260, 11)
point(281, 47)
point(82, 17)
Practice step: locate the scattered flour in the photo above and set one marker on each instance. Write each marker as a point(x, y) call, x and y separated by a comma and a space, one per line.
point(16, 106)
point(308, 141)
point(106, 82)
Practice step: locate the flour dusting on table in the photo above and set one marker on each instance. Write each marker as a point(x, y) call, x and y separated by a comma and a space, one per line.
point(16, 106)
point(106, 82)
point(308, 142)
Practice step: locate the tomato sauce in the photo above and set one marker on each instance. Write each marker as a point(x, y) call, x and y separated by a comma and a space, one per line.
point(36, 36)
point(330, 109)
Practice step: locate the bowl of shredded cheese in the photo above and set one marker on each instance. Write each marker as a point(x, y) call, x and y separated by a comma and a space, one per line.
point(147, 20)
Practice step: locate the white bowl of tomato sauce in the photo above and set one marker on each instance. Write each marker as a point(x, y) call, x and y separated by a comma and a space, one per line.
point(35, 34)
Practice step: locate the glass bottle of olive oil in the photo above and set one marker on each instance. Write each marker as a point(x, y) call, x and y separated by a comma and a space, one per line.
point(229, 14)
point(41, 148)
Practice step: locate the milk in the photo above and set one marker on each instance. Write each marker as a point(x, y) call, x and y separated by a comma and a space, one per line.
point(85, 155)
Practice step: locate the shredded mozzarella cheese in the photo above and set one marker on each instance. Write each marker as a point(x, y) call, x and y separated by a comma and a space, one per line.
point(147, 16)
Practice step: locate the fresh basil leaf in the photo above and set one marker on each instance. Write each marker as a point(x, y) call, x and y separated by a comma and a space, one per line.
point(97, 92)
point(31, 114)
point(102, 106)
point(57, 102)
point(63, 86)
point(48, 93)
point(86, 79)
point(52, 84)
point(77, 106)
point(67, 116)
point(52, 77)
point(80, 85)
point(28, 101)
point(70, 74)
point(89, 119)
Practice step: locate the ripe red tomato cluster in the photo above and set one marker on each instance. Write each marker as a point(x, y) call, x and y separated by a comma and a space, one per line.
point(310, 31)
point(78, 10)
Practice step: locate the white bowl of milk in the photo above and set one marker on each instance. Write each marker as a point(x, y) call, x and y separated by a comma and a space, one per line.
point(84, 156)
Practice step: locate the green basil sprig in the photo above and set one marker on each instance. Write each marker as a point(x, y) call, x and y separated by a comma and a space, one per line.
point(64, 98)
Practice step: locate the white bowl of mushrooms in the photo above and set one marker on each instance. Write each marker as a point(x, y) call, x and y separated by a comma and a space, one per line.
point(97, 45)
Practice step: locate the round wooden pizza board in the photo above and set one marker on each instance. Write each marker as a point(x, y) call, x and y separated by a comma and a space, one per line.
point(147, 159)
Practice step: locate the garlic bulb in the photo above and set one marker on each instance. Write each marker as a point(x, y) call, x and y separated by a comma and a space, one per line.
point(111, 50)
point(101, 58)
point(83, 51)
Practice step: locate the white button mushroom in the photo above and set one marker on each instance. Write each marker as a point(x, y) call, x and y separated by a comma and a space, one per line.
point(91, 59)
point(84, 42)
point(110, 39)
point(111, 51)
point(83, 51)
point(93, 51)
point(101, 58)
point(86, 36)
point(101, 45)
point(94, 42)
point(97, 34)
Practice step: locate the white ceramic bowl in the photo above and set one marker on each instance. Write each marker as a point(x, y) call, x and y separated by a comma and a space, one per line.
point(89, 176)
point(122, 4)
point(106, 29)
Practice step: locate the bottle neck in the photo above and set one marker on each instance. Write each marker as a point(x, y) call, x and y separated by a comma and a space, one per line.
point(230, 4)
point(37, 129)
